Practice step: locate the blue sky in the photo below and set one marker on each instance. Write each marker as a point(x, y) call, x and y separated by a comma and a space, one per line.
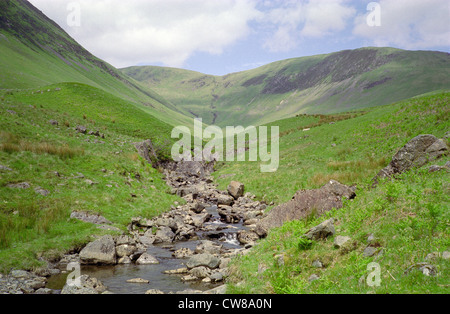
point(224, 36)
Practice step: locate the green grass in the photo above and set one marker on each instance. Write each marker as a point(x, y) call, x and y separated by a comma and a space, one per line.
point(364, 145)
point(61, 160)
point(409, 217)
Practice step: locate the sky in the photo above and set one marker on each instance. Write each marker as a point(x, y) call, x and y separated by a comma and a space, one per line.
point(219, 37)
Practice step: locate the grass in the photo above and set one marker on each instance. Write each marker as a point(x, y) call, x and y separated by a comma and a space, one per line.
point(82, 172)
point(408, 217)
point(407, 228)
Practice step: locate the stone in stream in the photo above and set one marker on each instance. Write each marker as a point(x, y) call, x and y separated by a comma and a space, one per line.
point(147, 259)
point(138, 280)
point(204, 259)
point(99, 252)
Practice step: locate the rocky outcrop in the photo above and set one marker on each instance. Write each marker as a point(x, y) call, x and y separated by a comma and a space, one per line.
point(416, 153)
point(304, 203)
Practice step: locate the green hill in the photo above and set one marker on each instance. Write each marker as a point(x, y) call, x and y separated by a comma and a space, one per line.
point(50, 88)
point(35, 51)
point(408, 216)
point(331, 83)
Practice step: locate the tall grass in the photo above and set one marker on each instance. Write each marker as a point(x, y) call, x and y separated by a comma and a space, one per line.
point(14, 144)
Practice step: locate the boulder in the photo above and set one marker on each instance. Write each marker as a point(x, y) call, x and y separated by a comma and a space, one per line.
point(236, 189)
point(225, 200)
point(147, 259)
point(164, 235)
point(205, 259)
point(200, 272)
point(416, 153)
point(99, 252)
point(322, 231)
point(304, 203)
point(125, 250)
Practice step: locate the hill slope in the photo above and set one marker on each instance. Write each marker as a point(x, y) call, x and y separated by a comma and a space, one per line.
point(331, 83)
point(408, 218)
point(35, 51)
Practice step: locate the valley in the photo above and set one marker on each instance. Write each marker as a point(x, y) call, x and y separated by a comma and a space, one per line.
point(71, 134)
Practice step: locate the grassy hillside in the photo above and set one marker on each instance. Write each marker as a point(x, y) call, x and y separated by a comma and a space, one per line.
point(35, 52)
point(409, 217)
point(331, 83)
point(81, 172)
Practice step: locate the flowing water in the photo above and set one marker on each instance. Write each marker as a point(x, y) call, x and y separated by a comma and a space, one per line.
point(115, 277)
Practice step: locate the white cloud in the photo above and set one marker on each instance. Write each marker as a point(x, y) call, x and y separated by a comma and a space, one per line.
point(130, 32)
point(408, 24)
point(170, 32)
point(295, 21)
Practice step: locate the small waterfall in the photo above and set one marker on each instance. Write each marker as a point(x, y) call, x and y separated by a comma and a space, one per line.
point(230, 238)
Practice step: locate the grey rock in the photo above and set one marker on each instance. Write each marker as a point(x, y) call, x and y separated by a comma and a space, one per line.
point(22, 185)
point(200, 272)
point(42, 191)
point(216, 277)
point(99, 252)
point(88, 285)
point(236, 189)
point(428, 270)
point(317, 264)
point(313, 277)
point(44, 291)
point(205, 259)
point(340, 241)
point(164, 235)
point(209, 247)
point(90, 218)
point(322, 231)
point(304, 203)
point(225, 200)
point(138, 280)
point(416, 153)
point(370, 251)
point(125, 250)
point(147, 259)
point(247, 237)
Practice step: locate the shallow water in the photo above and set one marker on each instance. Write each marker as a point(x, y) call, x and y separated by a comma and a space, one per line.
point(115, 277)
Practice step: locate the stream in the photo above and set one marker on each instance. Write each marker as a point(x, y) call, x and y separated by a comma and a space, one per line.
point(115, 277)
